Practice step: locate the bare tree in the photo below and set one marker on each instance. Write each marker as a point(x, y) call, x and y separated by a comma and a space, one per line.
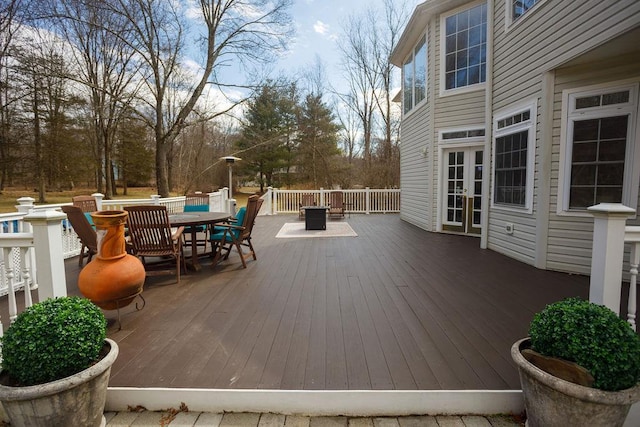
point(105, 65)
point(366, 49)
point(395, 18)
point(358, 66)
point(11, 19)
point(246, 31)
point(40, 70)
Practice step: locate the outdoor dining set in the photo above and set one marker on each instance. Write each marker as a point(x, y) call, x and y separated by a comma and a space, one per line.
point(159, 238)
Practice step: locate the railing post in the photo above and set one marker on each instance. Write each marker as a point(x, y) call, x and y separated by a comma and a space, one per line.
point(24, 206)
point(275, 200)
point(268, 198)
point(47, 229)
point(322, 197)
point(367, 200)
point(608, 250)
point(99, 197)
point(634, 261)
point(156, 199)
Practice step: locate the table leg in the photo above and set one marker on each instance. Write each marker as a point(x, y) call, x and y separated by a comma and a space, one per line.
point(195, 263)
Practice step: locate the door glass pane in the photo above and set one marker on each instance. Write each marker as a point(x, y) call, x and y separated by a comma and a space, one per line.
point(477, 188)
point(455, 186)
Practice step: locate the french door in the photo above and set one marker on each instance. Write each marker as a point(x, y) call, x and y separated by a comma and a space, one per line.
point(462, 190)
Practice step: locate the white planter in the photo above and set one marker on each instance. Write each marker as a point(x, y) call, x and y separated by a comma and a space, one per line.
point(77, 400)
point(553, 402)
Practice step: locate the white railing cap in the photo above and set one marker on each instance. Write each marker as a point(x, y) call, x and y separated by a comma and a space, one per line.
point(46, 216)
point(611, 209)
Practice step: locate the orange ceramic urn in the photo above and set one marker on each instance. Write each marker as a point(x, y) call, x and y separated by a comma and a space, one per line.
point(113, 278)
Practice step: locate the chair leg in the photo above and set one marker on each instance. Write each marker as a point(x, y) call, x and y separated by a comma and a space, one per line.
point(178, 266)
point(81, 256)
point(239, 248)
point(251, 248)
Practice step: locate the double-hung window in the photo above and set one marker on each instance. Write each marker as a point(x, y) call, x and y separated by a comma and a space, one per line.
point(414, 72)
point(599, 148)
point(465, 47)
point(513, 151)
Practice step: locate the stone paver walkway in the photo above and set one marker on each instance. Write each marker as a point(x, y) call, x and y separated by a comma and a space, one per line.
point(207, 419)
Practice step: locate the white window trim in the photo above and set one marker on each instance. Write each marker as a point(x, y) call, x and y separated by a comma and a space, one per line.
point(446, 144)
point(631, 169)
point(510, 23)
point(426, 76)
point(443, 54)
point(530, 126)
point(462, 142)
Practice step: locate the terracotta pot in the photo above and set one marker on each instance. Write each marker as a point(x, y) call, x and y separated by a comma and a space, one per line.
point(554, 402)
point(77, 400)
point(113, 278)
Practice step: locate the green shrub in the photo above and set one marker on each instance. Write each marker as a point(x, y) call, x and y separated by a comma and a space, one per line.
point(53, 339)
point(592, 336)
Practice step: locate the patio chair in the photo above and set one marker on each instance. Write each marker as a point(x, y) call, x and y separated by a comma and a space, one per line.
point(87, 204)
point(152, 237)
point(197, 199)
point(306, 200)
point(238, 234)
point(197, 202)
point(86, 233)
point(336, 204)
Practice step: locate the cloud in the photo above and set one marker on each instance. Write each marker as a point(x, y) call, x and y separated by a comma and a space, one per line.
point(321, 28)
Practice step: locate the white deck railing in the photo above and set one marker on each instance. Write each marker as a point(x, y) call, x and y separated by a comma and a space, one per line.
point(32, 259)
point(364, 200)
point(632, 238)
point(11, 223)
point(610, 234)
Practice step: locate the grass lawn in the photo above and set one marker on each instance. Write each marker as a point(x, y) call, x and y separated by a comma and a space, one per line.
point(9, 196)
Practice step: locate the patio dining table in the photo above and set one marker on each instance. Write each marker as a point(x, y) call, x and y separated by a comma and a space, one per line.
point(194, 220)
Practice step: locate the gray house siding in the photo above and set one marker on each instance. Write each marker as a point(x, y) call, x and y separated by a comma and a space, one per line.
point(570, 237)
point(414, 168)
point(554, 33)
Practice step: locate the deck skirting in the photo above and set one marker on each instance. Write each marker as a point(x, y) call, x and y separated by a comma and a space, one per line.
point(321, 403)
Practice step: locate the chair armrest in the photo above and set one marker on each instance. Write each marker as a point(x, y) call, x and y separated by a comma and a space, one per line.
point(177, 233)
point(231, 226)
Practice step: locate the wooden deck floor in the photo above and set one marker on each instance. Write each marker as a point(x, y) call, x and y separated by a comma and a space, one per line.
point(396, 308)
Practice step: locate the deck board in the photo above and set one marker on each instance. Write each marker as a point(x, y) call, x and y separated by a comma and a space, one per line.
point(395, 308)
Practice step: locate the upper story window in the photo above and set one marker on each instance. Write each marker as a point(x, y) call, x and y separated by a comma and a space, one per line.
point(414, 72)
point(520, 7)
point(465, 47)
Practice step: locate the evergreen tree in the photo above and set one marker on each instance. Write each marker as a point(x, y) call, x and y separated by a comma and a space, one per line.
point(317, 142)
point(266, 133)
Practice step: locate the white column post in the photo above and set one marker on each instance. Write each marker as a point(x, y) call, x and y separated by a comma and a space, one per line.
point(47, 229)
point(99, 197)
point(25, 204)
point(156, 199)
point(608, 249)
point(368, 200)
point(268, 198)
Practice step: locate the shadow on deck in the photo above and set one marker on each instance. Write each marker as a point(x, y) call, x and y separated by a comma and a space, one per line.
point(396, 308)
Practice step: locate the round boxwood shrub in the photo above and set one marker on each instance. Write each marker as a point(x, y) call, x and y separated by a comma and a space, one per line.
point(52, 340)
point(592, 336)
